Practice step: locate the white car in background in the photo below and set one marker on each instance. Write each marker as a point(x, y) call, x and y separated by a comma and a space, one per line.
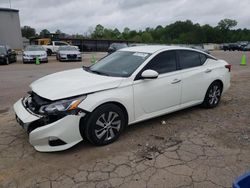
point(68, 53)
point(128, 86)
point(32, 52)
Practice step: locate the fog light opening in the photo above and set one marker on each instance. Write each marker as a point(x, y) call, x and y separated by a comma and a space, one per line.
point(54, 141)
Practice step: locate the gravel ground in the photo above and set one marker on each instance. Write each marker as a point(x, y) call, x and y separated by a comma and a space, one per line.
point(195, 147)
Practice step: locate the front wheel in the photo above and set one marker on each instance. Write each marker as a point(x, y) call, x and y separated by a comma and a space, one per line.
point(49, 52)
point(105, 124)
point(213, 95)
point(7, 61)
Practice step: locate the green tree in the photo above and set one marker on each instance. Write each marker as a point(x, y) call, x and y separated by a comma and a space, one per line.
point(227, 24)
point(146, 37)
point(125, 33)
point(44, 33)
point(98, 32)
point(28, 31)
point(61, 34)
point(116, 34)
point(224, 27)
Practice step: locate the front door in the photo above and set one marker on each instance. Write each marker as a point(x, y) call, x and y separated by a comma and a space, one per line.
point(156, 96)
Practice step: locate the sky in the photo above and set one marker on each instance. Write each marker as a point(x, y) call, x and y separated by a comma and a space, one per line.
point(81, 16)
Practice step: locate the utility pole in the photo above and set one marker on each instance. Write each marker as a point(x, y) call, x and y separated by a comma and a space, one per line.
point(10, 3)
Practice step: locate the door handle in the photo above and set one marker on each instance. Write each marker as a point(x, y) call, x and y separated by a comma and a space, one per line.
point(175, 81)
point(208, 70)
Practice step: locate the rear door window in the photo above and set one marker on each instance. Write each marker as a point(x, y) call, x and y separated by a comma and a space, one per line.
point(203, 58)
point(189, 59)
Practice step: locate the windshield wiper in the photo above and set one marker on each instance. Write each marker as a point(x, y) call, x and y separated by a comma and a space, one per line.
point(98, 72)
point(85, 68)
point(94, 71)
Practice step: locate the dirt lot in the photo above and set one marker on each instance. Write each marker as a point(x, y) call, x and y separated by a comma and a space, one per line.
point(195, 147)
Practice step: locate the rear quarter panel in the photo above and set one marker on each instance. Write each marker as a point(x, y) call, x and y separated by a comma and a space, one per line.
point(219, 72)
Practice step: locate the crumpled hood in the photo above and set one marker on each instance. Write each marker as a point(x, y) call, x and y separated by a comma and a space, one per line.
point(72, 83)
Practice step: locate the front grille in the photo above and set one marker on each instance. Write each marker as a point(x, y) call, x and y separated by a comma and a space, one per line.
point(34, 56)
point(34, 102)
point(71, 56)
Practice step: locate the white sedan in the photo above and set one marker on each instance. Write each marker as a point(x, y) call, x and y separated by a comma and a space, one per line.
point(68, 53)
point(126, 87)
point(33, 52)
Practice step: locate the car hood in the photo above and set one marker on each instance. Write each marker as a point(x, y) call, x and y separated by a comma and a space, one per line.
point(72, 83)
point(69, 52)
point(34, 52)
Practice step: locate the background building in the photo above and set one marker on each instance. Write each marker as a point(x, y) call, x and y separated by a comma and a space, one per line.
point(10, 29)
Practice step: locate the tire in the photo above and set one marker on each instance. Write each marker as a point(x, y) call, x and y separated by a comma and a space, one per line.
point(105, 124)
point(7, 62)
point(213, 95)
point(49, 52)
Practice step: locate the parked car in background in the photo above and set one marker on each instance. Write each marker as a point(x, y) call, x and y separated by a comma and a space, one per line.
point(68, 53)
point(128, 86)
point(32, 52)
point(231, 47)
point(242, 44)
point(7, 55)
point(53, 47)
point(246, 48)
point(116, 46)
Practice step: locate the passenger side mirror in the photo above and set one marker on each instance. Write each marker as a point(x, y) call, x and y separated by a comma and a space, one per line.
point(149, 74)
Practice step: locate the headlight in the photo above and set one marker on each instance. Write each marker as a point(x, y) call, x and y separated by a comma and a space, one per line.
point(63, 55)
point(62, 106)
point(79, 55)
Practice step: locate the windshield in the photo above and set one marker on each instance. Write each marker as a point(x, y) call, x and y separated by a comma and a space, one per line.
point(67, 48)
point(118, 45)
point(34, 48)
point(2, 50)
point(120, 63)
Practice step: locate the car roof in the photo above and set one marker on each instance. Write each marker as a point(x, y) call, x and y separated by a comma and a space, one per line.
point(154, 48)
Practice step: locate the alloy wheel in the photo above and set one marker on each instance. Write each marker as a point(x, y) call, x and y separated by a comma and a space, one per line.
point(214, 94)
point(107, 126)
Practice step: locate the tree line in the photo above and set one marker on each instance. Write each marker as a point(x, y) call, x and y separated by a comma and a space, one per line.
point(179, 32)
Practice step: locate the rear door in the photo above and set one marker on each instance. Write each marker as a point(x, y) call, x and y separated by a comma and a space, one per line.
point(195, 76)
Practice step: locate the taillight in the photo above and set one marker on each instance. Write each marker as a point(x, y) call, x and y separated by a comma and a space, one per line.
point(228, 67)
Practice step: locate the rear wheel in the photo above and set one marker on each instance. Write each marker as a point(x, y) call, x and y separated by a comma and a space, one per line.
point(105, 124)
point(213, 95)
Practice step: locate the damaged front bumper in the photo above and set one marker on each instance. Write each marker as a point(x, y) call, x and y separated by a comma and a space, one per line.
point(49, 134)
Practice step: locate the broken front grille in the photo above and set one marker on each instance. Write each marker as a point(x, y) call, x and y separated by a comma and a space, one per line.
point(34, 102)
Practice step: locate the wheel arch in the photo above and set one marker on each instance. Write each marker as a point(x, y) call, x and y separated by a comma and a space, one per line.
point(83, 120)
point(219, 81)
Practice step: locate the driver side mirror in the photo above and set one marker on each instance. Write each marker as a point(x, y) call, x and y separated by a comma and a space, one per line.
point(149, 74)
